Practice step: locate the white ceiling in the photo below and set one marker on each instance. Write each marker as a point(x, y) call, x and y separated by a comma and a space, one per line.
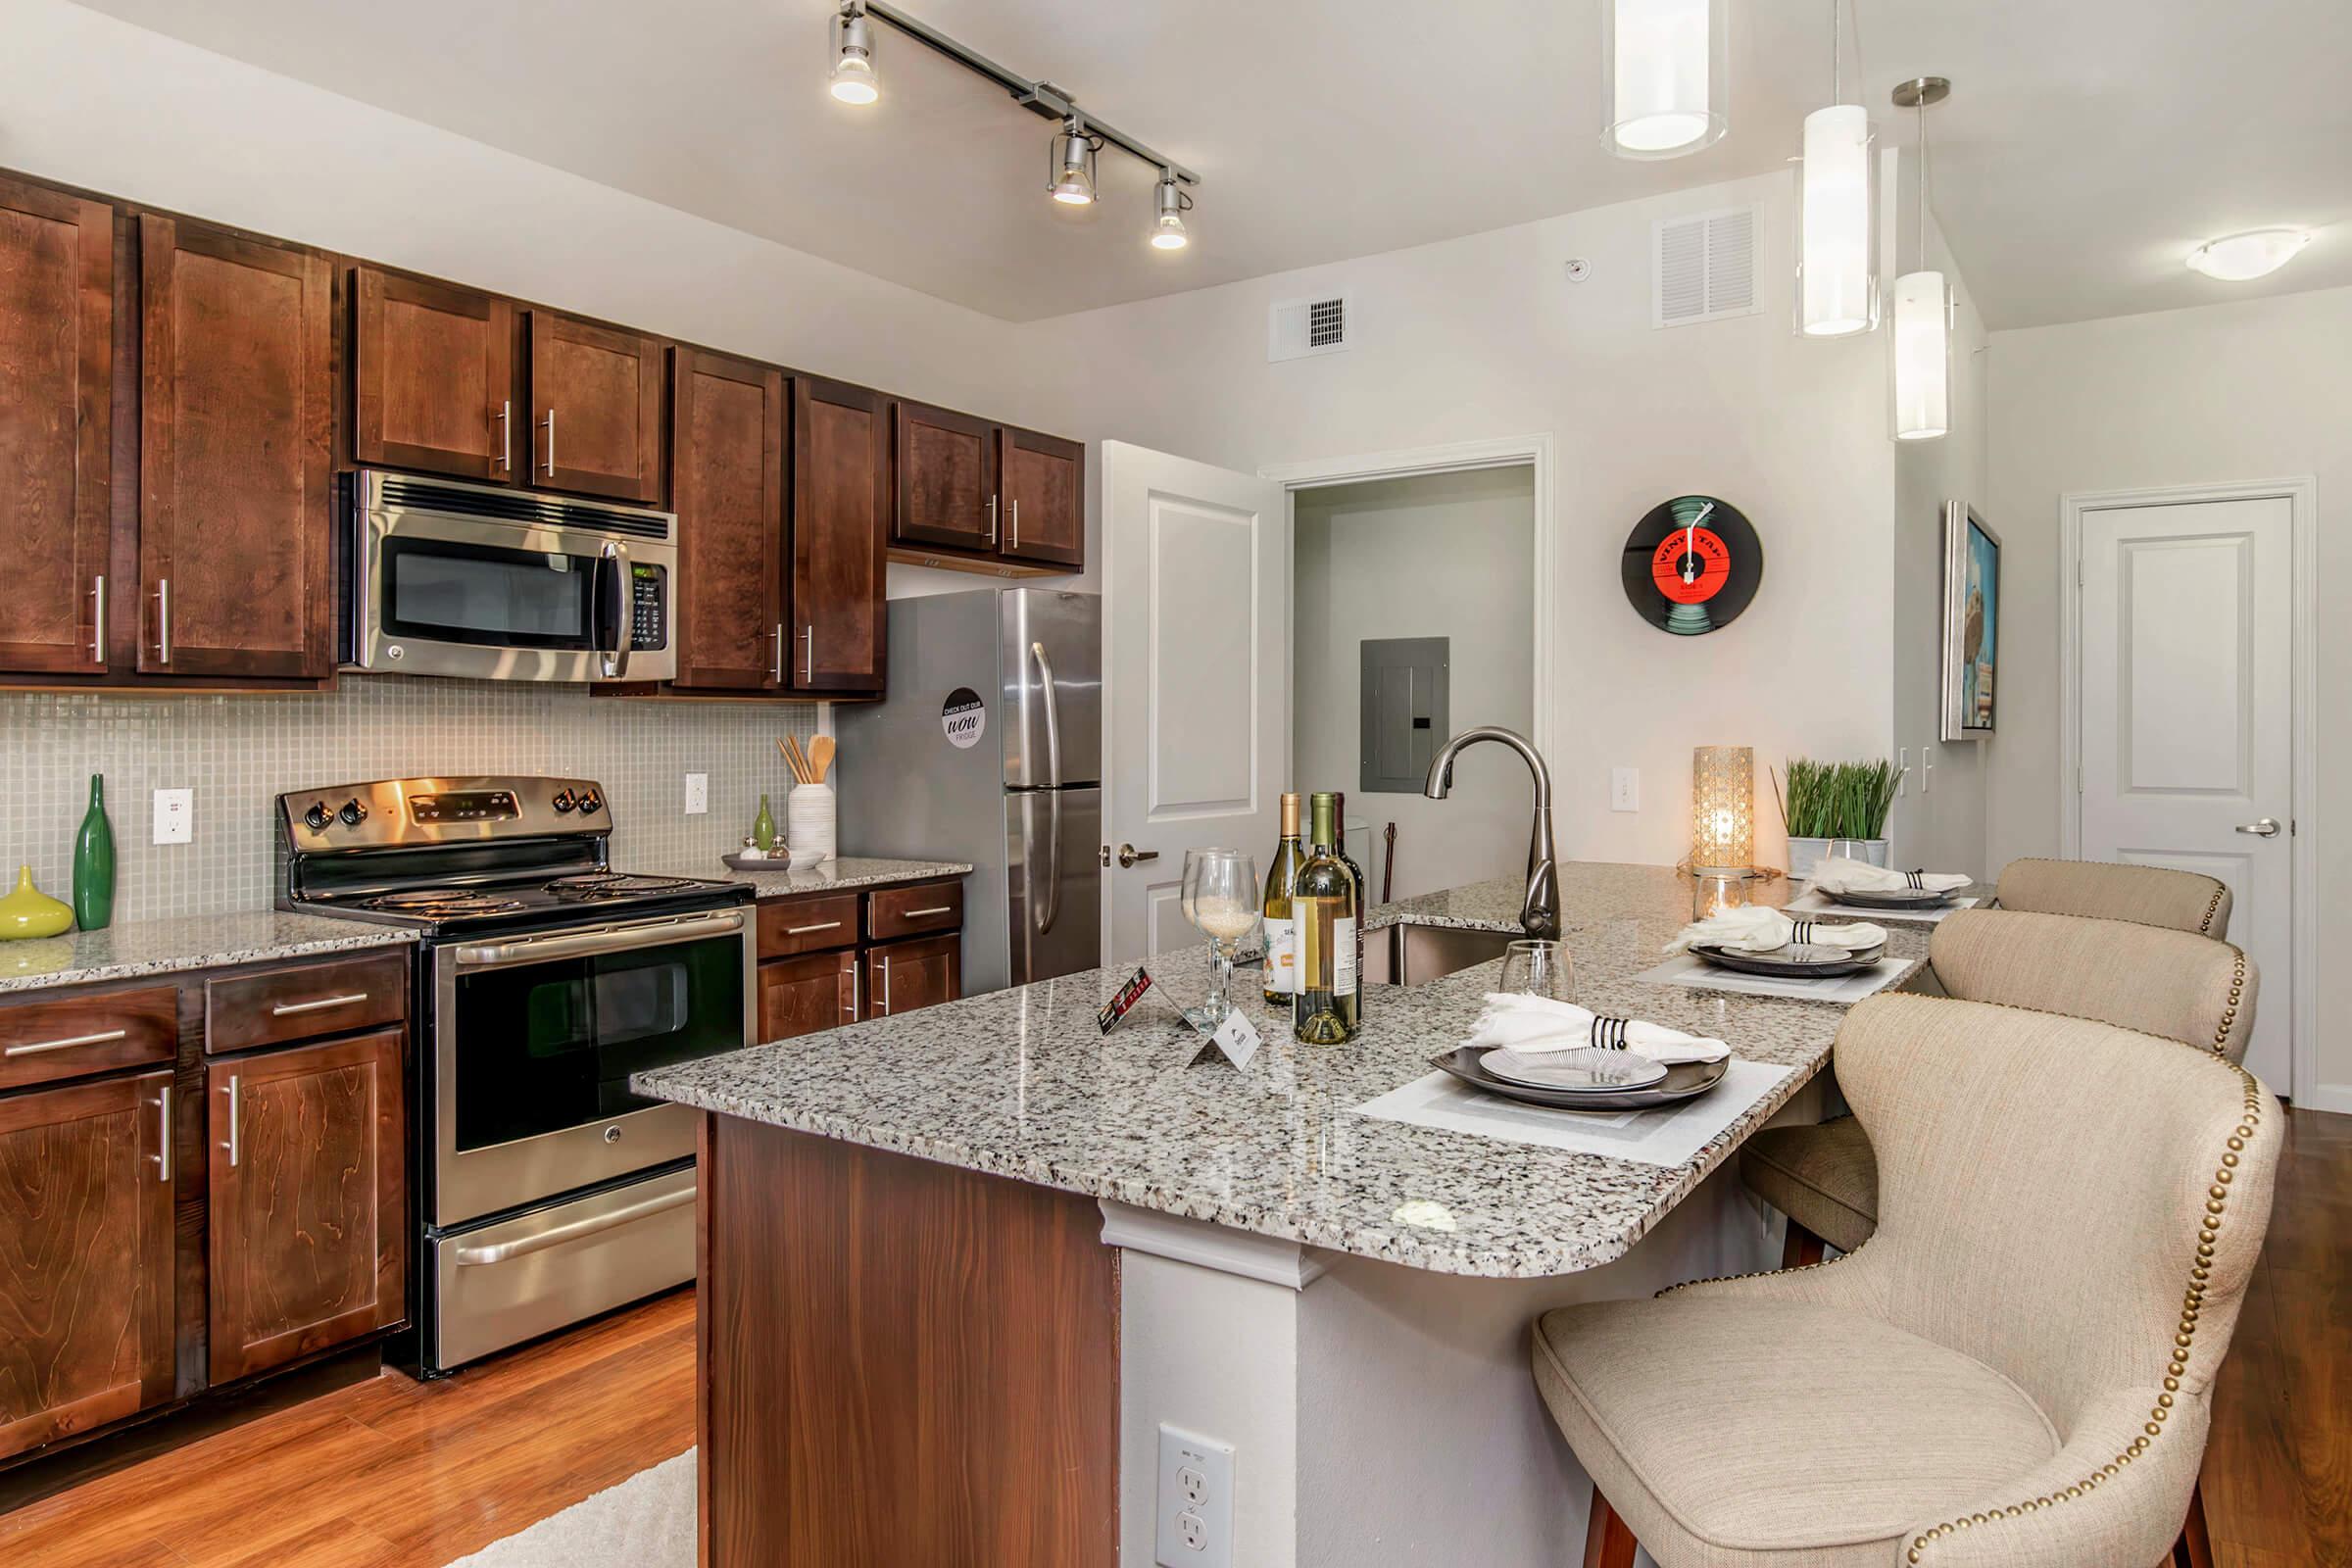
point(2087, 147)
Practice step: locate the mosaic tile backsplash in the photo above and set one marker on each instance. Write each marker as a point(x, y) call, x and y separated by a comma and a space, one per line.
point(239, 753)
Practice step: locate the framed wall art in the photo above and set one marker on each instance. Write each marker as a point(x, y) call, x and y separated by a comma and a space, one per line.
point(1972, 622)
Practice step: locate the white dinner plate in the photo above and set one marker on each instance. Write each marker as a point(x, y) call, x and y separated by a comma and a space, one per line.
point(1582, 1068)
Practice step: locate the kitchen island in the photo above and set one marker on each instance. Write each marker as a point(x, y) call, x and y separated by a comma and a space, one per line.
point(959, 1268)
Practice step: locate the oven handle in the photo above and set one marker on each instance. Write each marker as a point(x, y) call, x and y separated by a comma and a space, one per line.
point(557, 1235)
point(604, 939)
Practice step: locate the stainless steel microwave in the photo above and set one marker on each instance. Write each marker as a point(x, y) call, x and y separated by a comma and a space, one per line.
point(501, 584)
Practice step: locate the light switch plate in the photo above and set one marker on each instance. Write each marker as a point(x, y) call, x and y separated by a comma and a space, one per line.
point(1625, 789)
point(1903, 771)
point(698, 794)
point(174, 816)
point(1195, 1506)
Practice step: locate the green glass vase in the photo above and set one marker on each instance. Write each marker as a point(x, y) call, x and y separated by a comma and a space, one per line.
point(763, 827)
point(94, 863)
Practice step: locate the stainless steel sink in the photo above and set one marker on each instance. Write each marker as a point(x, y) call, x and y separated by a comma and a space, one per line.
point(1412, 955)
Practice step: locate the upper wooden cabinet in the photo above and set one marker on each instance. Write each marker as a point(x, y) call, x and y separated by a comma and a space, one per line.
point(237, 416)
point(1044, 498)
point(727, 481)
point(945, 465)
point(434, 373)
point(975, 496)
point(57, 278)
point(840, 537)
point(596, 409)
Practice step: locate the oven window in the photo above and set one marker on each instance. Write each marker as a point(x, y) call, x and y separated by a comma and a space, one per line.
point(462, 593)
point(544, 1047)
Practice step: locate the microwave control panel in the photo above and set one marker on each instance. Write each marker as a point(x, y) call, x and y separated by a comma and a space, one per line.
point(649, 593)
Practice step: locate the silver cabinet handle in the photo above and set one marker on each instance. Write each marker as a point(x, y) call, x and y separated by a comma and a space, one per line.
point(163, 621)
point(992, 519)
point(852, 1009)
point(37, 1047)
point(163, 1152)
point(917, 915)
point(775, 669)
point(2265, 828)
point(506, 435)
point(885, 1004)
point(1016, 522)
point(286, 1009)
point(235, 1147)
point(98, 619)
point(549, 422)
point(1129, 854)
point(809, 662)
point(803, 930)
point(557, 1235)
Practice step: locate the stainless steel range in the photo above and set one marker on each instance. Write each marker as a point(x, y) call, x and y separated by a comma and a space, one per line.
point(546, 1190)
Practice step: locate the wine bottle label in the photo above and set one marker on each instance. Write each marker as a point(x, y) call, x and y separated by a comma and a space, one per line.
point(1343, 957)
point(1282, 957)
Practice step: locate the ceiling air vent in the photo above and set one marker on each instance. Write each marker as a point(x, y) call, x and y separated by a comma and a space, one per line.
point(1703, 267)
point(1296, 329)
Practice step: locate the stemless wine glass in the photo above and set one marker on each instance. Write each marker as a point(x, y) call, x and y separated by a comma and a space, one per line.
point(1539, 968)
point(1220, 899)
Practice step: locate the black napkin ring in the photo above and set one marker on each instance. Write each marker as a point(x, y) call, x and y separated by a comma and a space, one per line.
point(1607, 1033)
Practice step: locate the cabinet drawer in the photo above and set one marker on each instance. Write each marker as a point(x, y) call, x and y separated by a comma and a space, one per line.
point(894, 912)
point(807, 925)
point(66, 1035)
point(304, 1001)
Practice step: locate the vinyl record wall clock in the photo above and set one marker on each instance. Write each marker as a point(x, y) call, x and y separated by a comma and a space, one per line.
point(1691, 565)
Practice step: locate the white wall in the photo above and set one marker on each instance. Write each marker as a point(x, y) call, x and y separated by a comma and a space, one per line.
point(2259, 389)
point(1431, 555)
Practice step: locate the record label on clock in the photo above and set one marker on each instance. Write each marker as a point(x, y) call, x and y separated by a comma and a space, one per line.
point(1692, 565)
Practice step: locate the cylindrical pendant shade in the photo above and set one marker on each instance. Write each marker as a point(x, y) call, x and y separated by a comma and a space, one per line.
point(1723, 808)
point(1837, 276)
point(1923, 331)
point(1666, 70)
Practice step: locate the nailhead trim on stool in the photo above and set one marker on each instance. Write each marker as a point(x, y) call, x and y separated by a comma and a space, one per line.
point(2238, 986)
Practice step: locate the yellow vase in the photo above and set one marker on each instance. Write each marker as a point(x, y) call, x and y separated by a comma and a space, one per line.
point(30, 912)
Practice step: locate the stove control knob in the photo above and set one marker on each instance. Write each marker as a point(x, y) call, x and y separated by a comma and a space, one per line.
point(591, 802)
point(563, 800)
point(315, 818)
point(353, 812)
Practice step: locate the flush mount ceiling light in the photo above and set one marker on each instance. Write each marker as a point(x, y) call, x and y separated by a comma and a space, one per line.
point(1168, 232)
point(1923, 305)
point(1836, 265)
point(1070, 165)
point(1669, 75)
point(851, 78)
point(2257, 252)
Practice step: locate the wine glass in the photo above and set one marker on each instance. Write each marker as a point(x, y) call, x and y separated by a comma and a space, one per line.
point(1221, 901)
point(1539, 968)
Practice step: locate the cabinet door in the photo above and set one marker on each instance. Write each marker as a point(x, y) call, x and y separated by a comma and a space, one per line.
point(840, 537)
point(309, 1211)
point(1044, 498)
point(727, 467)
point(434, 368)
point(85, 1258)
point(946, 478)
point(802, 996)
point(57, 280)
point(596, 409)
point(901, 976)
point(234, 517)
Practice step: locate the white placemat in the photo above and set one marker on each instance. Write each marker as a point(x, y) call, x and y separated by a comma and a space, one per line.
point(1812, 902)
point(1663, 1135)
point(1685, 970)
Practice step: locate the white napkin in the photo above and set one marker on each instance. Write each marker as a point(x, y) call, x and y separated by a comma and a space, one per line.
point(1755, 929)
point(1839, 873)
point(1530, 1025)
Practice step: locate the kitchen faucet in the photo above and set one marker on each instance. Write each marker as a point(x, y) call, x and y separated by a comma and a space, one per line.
point(1540, 915)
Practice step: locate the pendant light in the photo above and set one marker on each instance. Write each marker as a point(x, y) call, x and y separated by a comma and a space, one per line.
point(1837, 262)
point(1669, 75)
point(851, 78)
point(1070, 165)
point(1923, 305)
point(1168, 232)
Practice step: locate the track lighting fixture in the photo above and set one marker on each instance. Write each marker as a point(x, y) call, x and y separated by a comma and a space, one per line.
point(1168, 230)
point(851, 78)
point(1070, 164)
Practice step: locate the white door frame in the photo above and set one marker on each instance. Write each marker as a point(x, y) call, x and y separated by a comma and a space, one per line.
point(2302, 498)
point(1461, 456)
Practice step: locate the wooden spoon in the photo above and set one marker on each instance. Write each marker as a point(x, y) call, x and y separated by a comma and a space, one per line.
point(820, 756)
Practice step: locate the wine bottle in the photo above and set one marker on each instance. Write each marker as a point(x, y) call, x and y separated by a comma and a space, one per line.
point(1324, 907)
point(1364, 889)
point(1282, 936)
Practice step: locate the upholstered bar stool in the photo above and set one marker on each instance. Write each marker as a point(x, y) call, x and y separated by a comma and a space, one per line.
point(2148, 894)
point(2015, 1373)
point(2174, 984)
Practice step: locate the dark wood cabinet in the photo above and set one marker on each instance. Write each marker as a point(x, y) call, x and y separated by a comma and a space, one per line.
point(57, 280)
point(1044, 498)
point(943, 468)
point(802, 996)
point(86, 1257)
point(235, 456)
point(309, 1209)
point(73, 1034)
point(903, 976)
point(434, 374)
point(727, 421)
point(596, 409)
point(840, 537)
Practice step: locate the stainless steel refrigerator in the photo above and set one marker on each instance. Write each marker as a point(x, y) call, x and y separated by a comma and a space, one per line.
point(989, 748)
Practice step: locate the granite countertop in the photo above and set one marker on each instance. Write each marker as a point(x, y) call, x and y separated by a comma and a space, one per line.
point(129, 948)
point(848, 871)
point(1020, 1083)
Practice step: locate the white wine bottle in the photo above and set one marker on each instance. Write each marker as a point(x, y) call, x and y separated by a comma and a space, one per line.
point(1327, 1009)
point(1282, 936)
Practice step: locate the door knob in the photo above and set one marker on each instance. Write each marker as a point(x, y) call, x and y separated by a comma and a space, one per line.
point(1129, 854)
point(2265, 828)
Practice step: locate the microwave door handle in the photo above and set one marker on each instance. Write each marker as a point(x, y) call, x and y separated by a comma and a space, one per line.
point(615, 558)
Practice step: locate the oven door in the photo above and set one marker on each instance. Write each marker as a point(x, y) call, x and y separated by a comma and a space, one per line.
point(534, 1039)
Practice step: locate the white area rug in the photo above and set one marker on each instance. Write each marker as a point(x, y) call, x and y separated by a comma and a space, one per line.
point(645, 1521)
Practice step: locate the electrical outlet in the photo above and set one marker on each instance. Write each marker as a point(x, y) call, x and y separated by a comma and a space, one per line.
point(174, 816)
point(698, 794)
point(1625, 789)
point(1194, 1501)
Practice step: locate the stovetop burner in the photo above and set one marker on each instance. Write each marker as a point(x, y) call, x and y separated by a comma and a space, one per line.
point(443, 903)
point(612, 885)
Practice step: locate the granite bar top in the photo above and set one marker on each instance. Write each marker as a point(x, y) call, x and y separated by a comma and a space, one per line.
point(130, 949)
point(827, 877)
point(1020, 1083)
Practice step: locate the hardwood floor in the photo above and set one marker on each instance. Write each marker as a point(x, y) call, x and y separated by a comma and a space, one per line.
point(392, 1474)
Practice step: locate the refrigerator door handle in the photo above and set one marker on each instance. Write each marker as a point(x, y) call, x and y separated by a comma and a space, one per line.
point(1044, 914)
point(1053, 705)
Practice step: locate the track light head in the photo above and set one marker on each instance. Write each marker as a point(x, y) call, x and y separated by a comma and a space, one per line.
point(1167, 230)
point(1070, 165)
point(851, 78)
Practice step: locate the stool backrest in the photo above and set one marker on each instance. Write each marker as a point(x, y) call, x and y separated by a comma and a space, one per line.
point(2147, 895)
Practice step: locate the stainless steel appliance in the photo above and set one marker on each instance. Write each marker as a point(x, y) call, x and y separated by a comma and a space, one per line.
point(989, 750)
point(502, 585)
point(545, 1191)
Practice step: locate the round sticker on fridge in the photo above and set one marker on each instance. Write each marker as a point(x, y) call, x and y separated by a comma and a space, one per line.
point(963, 718)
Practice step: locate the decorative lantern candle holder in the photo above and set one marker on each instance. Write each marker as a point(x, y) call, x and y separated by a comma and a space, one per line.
point(1712, 892)
point(1723, 809)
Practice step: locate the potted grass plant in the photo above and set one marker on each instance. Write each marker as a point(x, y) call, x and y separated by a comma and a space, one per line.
point(1836, 809)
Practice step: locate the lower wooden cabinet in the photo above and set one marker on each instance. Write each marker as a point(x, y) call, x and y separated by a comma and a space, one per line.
point(86, 1257)
point(802, 996)
point(903, 976)
point(309, 1209)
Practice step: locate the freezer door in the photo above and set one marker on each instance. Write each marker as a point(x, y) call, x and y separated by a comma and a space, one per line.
point(1055, 911)
point(1052, 660)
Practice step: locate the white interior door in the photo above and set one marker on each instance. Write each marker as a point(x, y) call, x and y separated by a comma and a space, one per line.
point(1196, 614)
point(2187, 718)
